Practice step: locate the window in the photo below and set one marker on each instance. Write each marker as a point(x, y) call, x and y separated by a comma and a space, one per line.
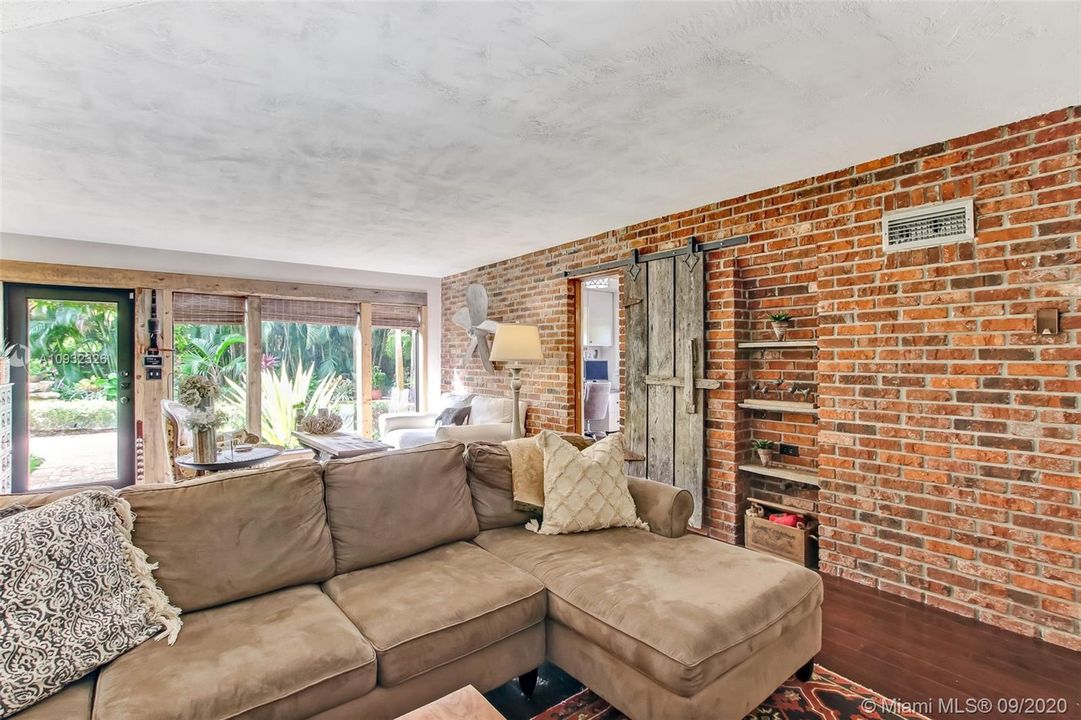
point(308, 359)
point(394, 360)
point(208, 339)
point(309, 362)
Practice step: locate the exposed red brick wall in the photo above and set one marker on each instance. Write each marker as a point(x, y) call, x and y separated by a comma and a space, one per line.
point(947, 446)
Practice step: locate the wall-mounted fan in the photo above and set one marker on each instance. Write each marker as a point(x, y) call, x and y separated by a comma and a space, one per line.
point(473, 318)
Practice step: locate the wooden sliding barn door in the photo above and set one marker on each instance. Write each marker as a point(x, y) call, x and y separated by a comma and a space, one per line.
point(666, 405)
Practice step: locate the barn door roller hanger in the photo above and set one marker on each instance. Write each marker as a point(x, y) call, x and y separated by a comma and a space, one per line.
point(691, 250)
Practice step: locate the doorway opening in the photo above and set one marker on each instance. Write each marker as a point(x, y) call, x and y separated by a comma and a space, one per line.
point(598, 379)
point(72, 374)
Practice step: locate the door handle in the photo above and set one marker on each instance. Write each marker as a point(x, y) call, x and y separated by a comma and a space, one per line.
point(124, 400)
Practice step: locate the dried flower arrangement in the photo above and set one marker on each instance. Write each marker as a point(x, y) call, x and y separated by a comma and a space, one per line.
point(208, 419)
point(197, 391)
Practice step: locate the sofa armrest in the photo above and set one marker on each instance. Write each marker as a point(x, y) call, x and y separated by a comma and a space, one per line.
point(666, 508)
point(492, 432)
point(405, 421)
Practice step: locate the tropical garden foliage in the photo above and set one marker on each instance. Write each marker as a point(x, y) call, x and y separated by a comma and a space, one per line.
point(305, 366)
point(73, 355)
point(73, 348)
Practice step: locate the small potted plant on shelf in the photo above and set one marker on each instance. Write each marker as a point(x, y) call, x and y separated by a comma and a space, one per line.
point(764, 448)
point(780, 322)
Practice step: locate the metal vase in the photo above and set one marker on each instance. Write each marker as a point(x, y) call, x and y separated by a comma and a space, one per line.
point(204, 446)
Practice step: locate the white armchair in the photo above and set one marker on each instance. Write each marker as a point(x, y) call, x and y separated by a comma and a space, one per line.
point(489, 420)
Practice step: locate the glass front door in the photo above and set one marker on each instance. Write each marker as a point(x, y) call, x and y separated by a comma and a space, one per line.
point(72, 414)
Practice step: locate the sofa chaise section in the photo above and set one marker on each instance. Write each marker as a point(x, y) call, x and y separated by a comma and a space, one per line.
point(665, 625)
point(682, 613)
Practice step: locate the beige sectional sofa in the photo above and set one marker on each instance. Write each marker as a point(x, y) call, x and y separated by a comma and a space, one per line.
point(371, 586)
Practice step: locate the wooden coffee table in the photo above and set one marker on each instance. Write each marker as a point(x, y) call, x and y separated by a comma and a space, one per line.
point(464, 704)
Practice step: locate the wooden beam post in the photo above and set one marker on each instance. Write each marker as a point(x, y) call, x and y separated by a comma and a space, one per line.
point(420, 361)
point(148, 394)
point(253, 345)
point(364, 369)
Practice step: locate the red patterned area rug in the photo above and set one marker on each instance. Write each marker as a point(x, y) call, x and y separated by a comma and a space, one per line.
point(828, 696)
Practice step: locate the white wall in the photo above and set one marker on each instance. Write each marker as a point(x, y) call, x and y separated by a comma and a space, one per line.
point(33, 248)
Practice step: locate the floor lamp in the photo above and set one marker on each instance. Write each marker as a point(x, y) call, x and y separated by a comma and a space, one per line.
point(516, 344)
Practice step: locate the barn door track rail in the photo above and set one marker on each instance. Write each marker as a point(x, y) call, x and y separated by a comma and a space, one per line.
point(691, 248)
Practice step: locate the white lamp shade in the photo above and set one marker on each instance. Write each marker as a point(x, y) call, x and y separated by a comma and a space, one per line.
point(516, 344)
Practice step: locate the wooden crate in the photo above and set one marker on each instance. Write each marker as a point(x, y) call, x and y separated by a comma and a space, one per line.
point(789, 543)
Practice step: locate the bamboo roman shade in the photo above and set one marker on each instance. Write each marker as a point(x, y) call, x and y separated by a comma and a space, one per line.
point(198, 309)
point(205, 309)
point(309, 311)
point(406, 317)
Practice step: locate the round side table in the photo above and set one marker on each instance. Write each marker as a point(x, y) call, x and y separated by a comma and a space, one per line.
point(227, 460)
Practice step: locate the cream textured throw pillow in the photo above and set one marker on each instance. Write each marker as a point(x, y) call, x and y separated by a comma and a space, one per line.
point(74, 594)
point(584, 490)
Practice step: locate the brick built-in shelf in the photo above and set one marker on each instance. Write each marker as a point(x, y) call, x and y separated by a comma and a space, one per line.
point(778, 344)
point(783, 473)
point(780, 406)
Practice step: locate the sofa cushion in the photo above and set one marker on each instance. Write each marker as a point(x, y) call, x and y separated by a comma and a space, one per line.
point(486, 410)
point(431, 609)
point(235, 535)
point(409, 437)
point(491, 480)
point(290, 653)
point(71, 703)
point(390, 505)
point(682, 611)
point(29, 501)
point(491, 484)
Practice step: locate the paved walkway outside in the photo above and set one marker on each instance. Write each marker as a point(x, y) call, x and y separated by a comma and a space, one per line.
point(74, 459)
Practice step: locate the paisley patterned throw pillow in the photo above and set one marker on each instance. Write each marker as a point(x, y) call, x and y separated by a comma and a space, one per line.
point(74, 594)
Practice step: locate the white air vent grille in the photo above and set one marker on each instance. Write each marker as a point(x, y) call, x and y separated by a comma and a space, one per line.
point(928, 225)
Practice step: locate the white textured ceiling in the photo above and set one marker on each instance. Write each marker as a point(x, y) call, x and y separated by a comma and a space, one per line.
point(431, 138)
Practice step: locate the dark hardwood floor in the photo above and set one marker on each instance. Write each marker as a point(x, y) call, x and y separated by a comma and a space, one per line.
point(903, 650)
point(906, 650)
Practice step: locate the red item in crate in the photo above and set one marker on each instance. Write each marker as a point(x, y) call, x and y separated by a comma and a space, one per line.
point(789, 519)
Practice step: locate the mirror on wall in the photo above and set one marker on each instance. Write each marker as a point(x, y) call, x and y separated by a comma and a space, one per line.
point(599, 352)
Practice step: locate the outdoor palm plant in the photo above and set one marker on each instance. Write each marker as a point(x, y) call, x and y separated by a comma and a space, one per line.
point(284, 393)
point(59, 328)
point(211, 352)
